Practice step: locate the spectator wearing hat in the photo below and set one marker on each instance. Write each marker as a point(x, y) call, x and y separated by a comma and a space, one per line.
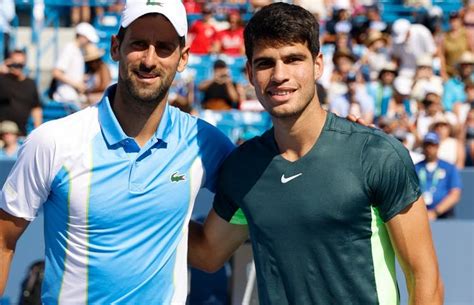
point(9, 134)
point(220, 92)
point(69, 70)
point(376, 57)
point(400, 105)
point(231, 41)
point(98, 76)
point(381, 89)
point(454, 93)
point(450, 148)
point(344, 64)
point(431, 110)
point(202, 32)
point(410, 41)
point(425, 76)
point(453, 44)
point(439, 180)
point(19, 98)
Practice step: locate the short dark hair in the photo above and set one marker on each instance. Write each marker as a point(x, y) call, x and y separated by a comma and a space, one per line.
point(280, 24)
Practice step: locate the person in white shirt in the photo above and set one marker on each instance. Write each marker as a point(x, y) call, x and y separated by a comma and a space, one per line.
point(410, 41)
point(70, 67)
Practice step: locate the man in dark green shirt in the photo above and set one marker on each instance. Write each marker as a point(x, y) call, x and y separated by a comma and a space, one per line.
point(327, 202)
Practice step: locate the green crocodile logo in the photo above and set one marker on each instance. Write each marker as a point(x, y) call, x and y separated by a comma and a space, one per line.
point(176, 177)
point(154, 2)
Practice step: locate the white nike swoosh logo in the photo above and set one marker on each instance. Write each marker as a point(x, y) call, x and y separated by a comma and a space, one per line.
point(285, 180)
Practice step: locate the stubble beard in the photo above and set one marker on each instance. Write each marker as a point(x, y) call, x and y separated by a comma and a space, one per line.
point(293, 113)
point(146, 97)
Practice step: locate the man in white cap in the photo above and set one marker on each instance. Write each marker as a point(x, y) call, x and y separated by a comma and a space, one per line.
point(410, 41)
point(399, 105)
point(118, 180)
point(69, 70)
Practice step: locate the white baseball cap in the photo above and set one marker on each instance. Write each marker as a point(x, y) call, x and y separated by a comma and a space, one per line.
point(173, 10)
point(400, 30)
point(87, 30)
point(403, 85)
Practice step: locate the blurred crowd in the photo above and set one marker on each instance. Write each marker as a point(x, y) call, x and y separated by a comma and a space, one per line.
point(409, 76)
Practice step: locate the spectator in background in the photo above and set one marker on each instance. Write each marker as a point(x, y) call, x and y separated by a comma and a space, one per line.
point(381, 90)
point(455, 42)
point(231, 41)
point(410, 41)
point(202, 32)
point(343, 61)
point(181, 94)
point(80, 12)
point(220, 92)
point(454, 91)
point(9, 134)
point(468, 137)
point(376, 57)
point(69, 70)
point(19, 98)
point(440, 181)
point(399, 105)
point(98, 76)
point(373, 20)
point(355, 102)
point(340, 21)
point(7, 14)
point(424, 77)
point(468, 22)
point(451, 149)
point(432, 111)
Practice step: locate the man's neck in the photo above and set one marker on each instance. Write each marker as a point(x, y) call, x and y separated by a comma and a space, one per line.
point(137, 120)
point(296, 136)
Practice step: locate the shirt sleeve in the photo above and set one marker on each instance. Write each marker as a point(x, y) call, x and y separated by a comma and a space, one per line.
point(28, 184)
point(391, 178)
point(215, 148)
point(223, 205)
point(64, 58)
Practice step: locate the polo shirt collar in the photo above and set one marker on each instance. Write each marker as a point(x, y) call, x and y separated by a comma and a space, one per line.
point(112, 130)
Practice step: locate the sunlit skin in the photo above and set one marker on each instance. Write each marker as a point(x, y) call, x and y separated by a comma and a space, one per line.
point(148, 60)
point(283, 77)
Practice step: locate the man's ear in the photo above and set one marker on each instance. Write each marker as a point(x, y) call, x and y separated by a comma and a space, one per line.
point(115, 48)
point(183, 60)
point(318, 66)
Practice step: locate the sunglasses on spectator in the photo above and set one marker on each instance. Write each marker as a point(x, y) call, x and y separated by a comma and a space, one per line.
point(16, 65)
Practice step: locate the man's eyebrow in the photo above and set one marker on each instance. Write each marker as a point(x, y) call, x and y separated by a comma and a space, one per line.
point(300, 55)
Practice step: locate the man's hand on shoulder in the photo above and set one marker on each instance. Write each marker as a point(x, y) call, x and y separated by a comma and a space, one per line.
point(360, 121)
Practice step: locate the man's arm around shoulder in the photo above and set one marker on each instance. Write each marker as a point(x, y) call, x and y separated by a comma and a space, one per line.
point(411, 237)
point(212, 244)
point(11, 228)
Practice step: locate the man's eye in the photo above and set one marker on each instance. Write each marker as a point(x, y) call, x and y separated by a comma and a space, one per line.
point(139, 45)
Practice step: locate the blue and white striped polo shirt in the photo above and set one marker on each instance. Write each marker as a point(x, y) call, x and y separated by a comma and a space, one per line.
point(116, 215)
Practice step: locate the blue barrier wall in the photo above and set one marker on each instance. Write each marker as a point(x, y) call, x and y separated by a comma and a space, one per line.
point(454, 241)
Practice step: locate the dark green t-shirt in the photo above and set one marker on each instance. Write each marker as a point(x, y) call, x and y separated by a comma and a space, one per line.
point(317, 224)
